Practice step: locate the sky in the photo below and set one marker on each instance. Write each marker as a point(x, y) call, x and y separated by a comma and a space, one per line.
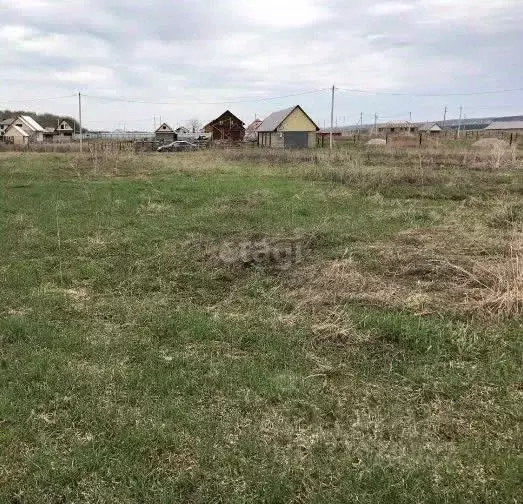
point(138, 63)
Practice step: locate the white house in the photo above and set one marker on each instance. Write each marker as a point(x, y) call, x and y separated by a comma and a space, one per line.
point(30, 126)
point(16, 135)
point(64, 129)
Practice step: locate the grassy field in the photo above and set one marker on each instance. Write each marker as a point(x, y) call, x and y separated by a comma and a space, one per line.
point(214, 327)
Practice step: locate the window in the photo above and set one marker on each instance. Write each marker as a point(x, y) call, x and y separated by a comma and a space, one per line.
point(62, 126)
point(164, 127)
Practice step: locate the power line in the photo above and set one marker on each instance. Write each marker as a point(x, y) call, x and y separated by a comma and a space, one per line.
point(394, 93)
point(177, 102)
point(38, 99)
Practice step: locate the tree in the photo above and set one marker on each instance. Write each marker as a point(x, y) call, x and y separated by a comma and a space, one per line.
point(194, 125)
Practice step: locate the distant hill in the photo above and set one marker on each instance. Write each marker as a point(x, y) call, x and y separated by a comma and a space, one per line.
point(46, 120)
point(450, 124)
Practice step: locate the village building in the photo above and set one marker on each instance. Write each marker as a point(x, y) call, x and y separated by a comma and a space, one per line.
point(182, 130)
point(288, 128)
point(165, 134)
point(251, 134)
point(30, 126)
point(16, 135)
point(49, 134)
point(510, 126)
point(397, 128)
point(226, 127)
point(431, 128)
point(4, 125)
point(64, 131)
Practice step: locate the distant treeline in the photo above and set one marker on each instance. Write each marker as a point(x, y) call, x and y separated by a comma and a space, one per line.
point(46, 120)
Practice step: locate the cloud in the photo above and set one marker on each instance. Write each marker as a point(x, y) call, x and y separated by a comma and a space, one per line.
point(190, 55)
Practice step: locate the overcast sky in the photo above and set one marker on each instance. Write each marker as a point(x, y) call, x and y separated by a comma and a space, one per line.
point(191, 55)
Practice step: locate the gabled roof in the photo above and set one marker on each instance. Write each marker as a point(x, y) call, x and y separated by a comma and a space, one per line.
point(7, 122)
point(272, 122)
point(182, 129)
point(31, 123)
point(505, 125)
point(429, 126)
point(49, 129)
point(254, 125)
point(18, 129)
point(68, 126)
point(226, 113)
point(161, 128)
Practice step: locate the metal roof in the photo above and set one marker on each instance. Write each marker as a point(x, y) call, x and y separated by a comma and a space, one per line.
point(32, 123)
point(254, 125)
point(7, 122)
point(274, 120)
point(429, 126)
point(398, 124)
point(505, 125)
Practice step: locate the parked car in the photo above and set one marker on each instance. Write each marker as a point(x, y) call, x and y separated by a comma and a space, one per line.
point(178, 146)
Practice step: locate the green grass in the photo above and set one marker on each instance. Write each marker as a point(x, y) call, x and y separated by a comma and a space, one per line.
point(136, 366)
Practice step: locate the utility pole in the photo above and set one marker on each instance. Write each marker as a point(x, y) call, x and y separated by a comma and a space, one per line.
point(361, 123)
point(410, 116)
point(154, 123)
point(375, 124)
point(459, 123)
point(80, 118)
point(332, 118)
point(445, 117)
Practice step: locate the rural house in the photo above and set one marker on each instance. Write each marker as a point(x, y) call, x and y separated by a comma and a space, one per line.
point(431, 128)
point(64, 131)
point(182, 130)
point(34, 131)
point(4, 125)
point(165, 134)
point(514, 126)
point(288, 128)
point(49, 133)
point(16, 135)
point(250, 133)
point(398, 128)
point(226, 127)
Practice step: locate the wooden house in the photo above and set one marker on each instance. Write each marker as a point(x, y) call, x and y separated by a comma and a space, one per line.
point(226, 127)
point(165, 134)
point(288, 128)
